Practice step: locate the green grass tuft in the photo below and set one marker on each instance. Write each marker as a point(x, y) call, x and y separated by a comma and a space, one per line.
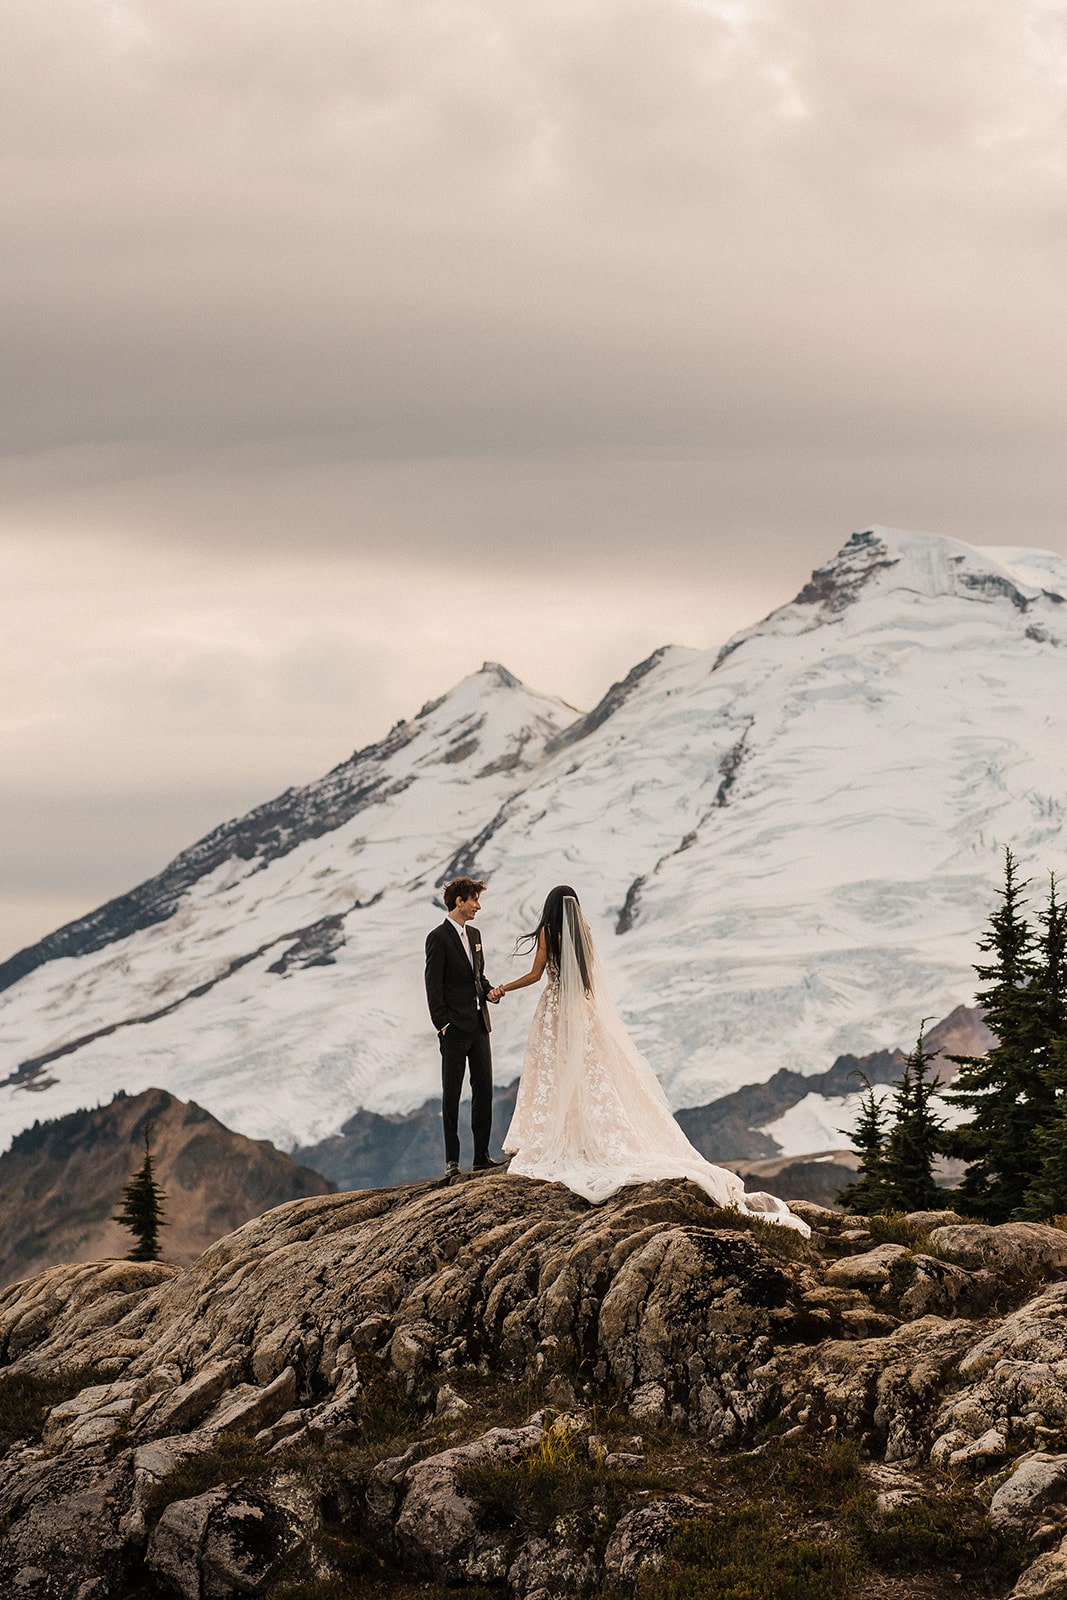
point(26, 1398)
point(951, 1532)
point(386, 1410)
point(814, 1476)
point(894, 1227)
point(556, 1482)
point(231, 1461)
point(744, 1554)
point(787, 1244)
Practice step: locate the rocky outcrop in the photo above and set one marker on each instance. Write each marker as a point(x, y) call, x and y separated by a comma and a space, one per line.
point(387, 1374)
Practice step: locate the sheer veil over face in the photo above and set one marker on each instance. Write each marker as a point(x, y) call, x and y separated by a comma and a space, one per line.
point(590, 1111)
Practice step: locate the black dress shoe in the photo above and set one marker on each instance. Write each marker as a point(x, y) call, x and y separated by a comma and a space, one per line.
point(486, 1164)
point(451, 1169)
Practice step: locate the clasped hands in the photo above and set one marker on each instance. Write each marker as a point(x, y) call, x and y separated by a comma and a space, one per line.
point(496, 994)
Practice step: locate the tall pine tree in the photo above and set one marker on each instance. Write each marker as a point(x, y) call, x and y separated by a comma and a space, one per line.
point(142, 1208)
point(868, 1195)
point(915, 1138)
point(1005, 1092)
point(1047, 1194)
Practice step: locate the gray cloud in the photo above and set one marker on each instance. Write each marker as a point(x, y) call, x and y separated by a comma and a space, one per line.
point(336, 234)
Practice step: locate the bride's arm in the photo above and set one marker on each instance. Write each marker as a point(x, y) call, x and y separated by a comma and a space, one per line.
point(535, 974)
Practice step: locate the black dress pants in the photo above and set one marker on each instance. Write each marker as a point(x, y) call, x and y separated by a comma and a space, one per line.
point(458, 1051)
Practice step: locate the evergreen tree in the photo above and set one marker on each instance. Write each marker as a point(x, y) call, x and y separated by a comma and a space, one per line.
point(1047, 1194)
point(867, 1195)
point(1005, 1092)
point(915, 1137)
point(142, 1208)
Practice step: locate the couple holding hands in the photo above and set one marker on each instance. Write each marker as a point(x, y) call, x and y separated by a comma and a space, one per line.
point(590, 1112)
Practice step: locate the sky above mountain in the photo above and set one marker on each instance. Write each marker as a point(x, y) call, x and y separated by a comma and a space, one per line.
point(605, 322)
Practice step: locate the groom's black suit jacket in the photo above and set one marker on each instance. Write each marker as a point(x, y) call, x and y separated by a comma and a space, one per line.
point(455, 990)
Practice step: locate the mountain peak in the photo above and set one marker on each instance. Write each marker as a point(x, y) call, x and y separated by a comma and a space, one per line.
point(506, 679)
point(838, 583)
point(800, 849)
point(930, 566)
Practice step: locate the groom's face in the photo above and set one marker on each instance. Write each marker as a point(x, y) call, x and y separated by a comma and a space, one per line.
point(466, 910)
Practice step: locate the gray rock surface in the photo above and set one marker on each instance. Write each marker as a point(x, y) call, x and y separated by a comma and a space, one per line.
point(436, 1525)
point(1046, 1579)
point(280, 1337)
point(223, 1543)
point(867, 1271)
point(550, 1569)
point(65, 1515)
point(1028, 1249)
point(640, 1539)
point(1036, 1481)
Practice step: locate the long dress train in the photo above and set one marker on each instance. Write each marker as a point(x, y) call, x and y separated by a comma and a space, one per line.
point(590, 1112)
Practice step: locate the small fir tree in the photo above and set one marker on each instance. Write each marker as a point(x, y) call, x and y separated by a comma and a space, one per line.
point(142, 1207)
point(1004, 1091)
point(867, 1194)
point(916, 1136)
point(1047, 1194)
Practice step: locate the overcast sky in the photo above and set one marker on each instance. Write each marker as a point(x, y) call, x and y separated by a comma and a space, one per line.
point(348, 343)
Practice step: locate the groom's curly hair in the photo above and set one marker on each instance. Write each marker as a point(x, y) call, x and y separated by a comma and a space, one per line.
point(461, 889)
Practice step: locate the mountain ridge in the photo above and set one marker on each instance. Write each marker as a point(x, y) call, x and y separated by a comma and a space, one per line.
point(786, 848)
point(61, 1182)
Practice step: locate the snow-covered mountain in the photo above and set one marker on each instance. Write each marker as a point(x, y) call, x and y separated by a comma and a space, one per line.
point(786, 848)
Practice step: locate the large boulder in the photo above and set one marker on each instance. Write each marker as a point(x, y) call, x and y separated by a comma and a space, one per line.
point(64, 1531)
point(1010, 1389)
point(309, 1325)
point(229, 1541)
point(639, 1540)
point(1035, 1482)
point(436, 1525)
point(1045, 1579)
point(1019, 1251)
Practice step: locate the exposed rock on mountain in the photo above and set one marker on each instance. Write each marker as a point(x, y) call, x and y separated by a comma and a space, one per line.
point(786, 847)
point(373, 1151)
point(818, 1177)
point(408, 1381)
point(61, 1181)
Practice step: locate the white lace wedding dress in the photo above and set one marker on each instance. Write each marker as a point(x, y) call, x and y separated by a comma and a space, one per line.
point(590, 1112)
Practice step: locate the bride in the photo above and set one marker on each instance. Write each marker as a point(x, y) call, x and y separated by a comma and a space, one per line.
point(590, 1111)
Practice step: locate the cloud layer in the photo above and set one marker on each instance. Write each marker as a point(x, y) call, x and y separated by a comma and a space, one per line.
point(268, 255)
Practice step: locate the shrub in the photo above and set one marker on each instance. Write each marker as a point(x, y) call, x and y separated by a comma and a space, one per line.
point(895, 1227)
point(386, 1409)
point(231, 1461)
point(743, 1554)
point(810, 1476)
point(788, 1244)
point(554, 1482)
point(951, 1532)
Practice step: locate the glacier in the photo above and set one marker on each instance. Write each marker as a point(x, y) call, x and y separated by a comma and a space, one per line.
point(786, 847)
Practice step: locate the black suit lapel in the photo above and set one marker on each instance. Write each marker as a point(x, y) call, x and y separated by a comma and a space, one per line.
point(476, 951)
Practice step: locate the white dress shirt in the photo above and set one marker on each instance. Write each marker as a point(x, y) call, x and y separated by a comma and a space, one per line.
point(464, 941)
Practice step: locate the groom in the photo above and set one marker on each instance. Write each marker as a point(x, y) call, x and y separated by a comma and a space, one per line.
point(457, 991)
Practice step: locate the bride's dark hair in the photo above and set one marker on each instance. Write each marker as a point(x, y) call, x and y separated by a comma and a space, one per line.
point(551, 925)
